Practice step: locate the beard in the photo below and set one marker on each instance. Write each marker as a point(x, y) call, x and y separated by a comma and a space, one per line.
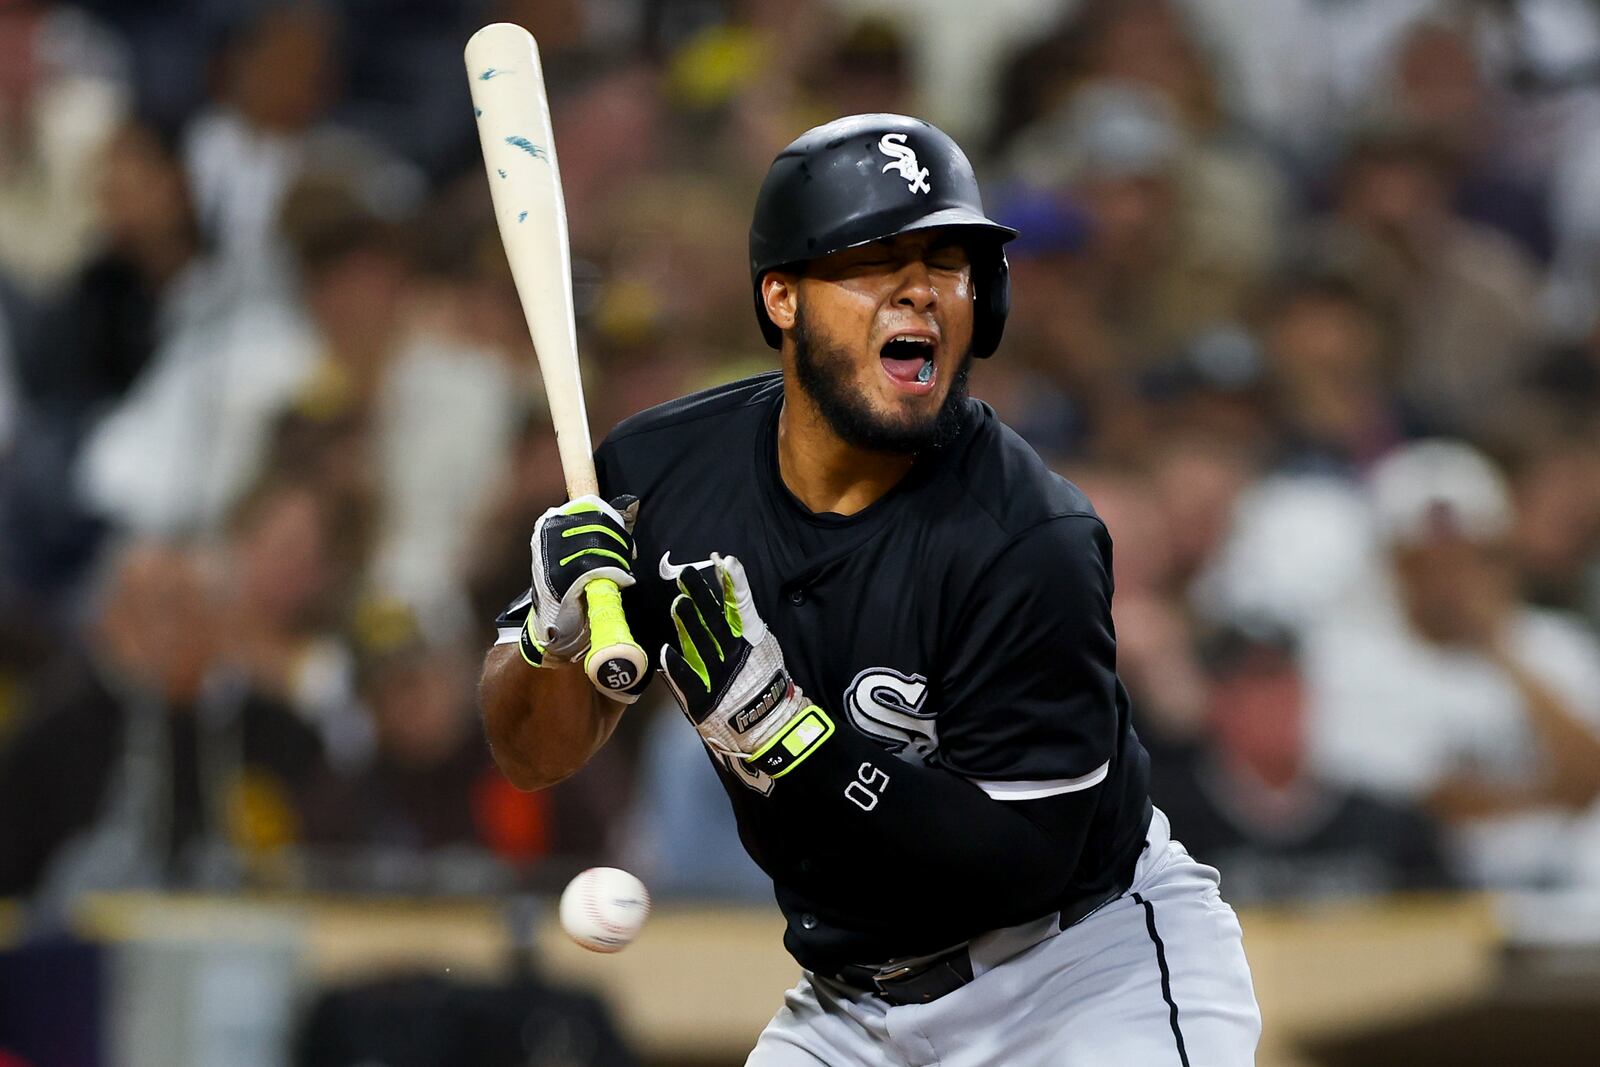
point(826, 373)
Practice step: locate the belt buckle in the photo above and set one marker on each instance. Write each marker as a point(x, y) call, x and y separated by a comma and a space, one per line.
point(924, 979)
point(893, 974)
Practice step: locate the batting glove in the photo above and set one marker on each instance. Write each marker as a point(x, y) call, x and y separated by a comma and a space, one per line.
point(583, 539)
point(727, 672)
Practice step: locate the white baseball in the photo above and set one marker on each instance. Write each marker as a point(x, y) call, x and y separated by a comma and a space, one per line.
point(603, 908)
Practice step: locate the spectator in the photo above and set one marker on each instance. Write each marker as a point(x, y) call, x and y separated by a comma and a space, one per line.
point(1069, 387)
point(1118, 59)
point(1563, 386)
point(1159, 261)
point(1556, 539)
point(530, 483)
point(1450, 691)
point(1248, 802)
point(1197, 479)
point(285, 606)
point(1298, 548)
point(357, 274)
point(1302, 67)
point(1155, 656)
point(1330, 364)
point(147, 764)
point(446, 411)
point(95, 338)
point(426, 808)
point(867, 69)
point(1463, 295)
point(1442, 85)
point(1214, 389)
point(62, 92)
point(196, 430)
point(266, 131)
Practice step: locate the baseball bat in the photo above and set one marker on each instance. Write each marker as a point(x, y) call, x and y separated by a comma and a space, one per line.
point(519, 155)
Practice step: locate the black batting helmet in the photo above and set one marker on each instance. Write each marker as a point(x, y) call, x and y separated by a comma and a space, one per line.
point(867, 177)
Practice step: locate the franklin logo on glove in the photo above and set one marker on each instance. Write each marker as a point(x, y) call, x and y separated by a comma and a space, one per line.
point(776, 691)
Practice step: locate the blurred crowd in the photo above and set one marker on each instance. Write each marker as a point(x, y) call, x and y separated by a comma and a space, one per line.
point(1307, 299)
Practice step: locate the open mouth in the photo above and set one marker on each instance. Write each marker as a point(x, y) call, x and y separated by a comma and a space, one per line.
point(908, 360)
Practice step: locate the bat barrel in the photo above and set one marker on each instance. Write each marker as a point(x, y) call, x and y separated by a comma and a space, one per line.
point(519, 154)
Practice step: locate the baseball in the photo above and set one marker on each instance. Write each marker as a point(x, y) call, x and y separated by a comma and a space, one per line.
point(603, 908)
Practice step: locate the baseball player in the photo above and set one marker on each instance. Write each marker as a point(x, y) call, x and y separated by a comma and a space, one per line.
point(891, 625)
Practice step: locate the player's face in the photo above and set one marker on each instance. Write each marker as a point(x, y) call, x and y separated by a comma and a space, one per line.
point(883, 337)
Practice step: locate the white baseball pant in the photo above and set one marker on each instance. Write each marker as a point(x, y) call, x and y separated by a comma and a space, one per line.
point(1155, 977)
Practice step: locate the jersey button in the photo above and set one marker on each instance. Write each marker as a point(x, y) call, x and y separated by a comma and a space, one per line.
point(808, 921)
point(797, 597)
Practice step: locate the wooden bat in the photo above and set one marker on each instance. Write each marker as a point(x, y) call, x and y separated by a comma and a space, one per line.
point(519, 153)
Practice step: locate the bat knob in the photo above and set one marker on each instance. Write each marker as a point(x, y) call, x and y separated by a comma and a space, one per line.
point(615, 661)
point(616, 668)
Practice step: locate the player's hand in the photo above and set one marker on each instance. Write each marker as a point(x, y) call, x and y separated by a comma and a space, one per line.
point(728, 675)
point(583, 539)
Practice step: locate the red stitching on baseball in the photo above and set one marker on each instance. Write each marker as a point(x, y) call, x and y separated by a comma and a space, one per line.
point(591, 906)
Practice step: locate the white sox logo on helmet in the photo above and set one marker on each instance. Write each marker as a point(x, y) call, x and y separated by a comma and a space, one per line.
point(904, 159)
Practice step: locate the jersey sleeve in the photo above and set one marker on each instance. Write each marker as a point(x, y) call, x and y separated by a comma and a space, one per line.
point(1031, 703)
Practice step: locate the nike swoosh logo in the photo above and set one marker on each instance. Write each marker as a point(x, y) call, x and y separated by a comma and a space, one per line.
point(669, 570)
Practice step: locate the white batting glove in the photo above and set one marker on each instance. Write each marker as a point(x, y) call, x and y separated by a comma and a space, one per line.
point(583, 539)
point(728, 674)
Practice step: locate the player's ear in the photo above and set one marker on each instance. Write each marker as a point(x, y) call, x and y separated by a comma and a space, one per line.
point(780, 292)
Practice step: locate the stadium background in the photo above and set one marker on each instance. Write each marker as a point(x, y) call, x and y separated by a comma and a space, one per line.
point(1306, 299)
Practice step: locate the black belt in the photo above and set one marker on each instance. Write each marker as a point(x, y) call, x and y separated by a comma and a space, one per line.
point(916, 982)
point(928, 978)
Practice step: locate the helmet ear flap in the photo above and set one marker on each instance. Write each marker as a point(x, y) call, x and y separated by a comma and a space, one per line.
point(993, 278)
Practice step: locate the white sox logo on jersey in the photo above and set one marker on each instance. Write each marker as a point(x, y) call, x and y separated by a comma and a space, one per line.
point(904, 160)
point(888, 706)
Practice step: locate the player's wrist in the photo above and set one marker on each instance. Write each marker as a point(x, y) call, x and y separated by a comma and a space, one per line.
point(541, 646)
point(796, 739)
point(535, 652)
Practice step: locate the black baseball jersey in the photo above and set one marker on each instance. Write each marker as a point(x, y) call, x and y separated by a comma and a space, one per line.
point(962, 622)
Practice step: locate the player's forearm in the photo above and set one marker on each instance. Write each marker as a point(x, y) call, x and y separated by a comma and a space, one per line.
point(543, 724)
point(861, 817)
point(1571, 747)
point(1463, 798)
